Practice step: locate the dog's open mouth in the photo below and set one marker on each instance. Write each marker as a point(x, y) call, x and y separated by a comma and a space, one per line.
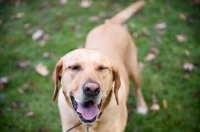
point(87, 111)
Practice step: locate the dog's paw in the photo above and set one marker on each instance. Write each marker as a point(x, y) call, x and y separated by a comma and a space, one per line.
point(142, 110)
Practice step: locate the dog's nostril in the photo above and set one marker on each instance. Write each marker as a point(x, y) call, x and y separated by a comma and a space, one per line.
point(91, 89)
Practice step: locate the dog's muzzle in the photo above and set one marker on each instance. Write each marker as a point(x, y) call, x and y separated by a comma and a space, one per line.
point(89, 110)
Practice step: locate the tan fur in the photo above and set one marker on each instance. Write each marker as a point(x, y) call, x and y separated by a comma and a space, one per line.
point(109, 46)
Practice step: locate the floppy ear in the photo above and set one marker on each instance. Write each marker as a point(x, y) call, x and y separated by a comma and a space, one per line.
point(56, 76)
point(116, 79)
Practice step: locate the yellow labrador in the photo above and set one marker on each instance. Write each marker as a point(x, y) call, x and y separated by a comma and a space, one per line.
point(95, 80)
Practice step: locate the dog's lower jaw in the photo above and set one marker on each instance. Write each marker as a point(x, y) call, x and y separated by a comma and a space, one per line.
point(80, 107)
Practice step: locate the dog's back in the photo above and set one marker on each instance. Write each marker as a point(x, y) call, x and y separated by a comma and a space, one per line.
point(111, 38)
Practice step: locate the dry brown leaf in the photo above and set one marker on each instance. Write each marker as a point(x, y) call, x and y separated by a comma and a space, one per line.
point(186, 76)
point(22, 64)
point(187, 53)
point(77, 27)
point(48, 55)
point(179, 108)
point(27, 26)
point(155, 107)
point(102, 15)
point(26, 86)
point(181, 38)
point(182, 16)
point(30, 114)
point(188, 66)
point(154, 50)
point(46, 37)
point(86, 3)
point(38, 34)
point(4, 81)
point(141, 66)
point(42, 70)
point(160, 26)
point(63, 2)
point(79, 36)
point(21, 91)
point(94, 19)
point(125, 26)
point(15, 105)
point(41, 43)
point(20, 15)
point(80, 46)
point(1, 22)
point(150, 57)
point(164, 102)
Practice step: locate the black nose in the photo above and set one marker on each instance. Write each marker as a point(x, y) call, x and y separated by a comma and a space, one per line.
point(91, 89)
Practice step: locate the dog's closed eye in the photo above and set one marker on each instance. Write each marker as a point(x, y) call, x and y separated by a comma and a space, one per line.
point(101, 68)
point(75, 67)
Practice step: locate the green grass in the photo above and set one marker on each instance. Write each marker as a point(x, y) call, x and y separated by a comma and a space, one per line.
point(164, 74)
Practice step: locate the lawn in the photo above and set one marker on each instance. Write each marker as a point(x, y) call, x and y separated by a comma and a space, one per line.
point(168, 30)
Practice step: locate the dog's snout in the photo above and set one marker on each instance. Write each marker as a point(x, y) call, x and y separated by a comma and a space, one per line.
point(91, 89)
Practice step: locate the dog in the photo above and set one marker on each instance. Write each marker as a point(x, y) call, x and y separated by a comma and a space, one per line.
point(95, 79)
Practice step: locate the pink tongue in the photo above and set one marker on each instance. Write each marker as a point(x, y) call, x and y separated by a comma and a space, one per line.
point(88, 112)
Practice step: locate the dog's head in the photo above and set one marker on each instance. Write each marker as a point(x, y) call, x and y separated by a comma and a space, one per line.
point(88, 80)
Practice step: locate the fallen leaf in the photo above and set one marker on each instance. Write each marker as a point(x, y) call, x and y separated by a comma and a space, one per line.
point(125, 26)
point(77, 27)
point(136, 34)
point(154, 50)
point(29, 32)
point(46, 5)
point(160, 26)
point(182, 16)
point(22, 64)
point(21, 91)
point(188, 66)
point(46, 37)
point(26, 86)
point(12, 17)
point(141, 66)
point(80, 46)
point(48, 54)
point(186, 76)
point(11, 41)
point(4, 81)
point(1, 22)
point(155, 107)
point(63, 2)
point(164, 102)
point(86, 3)
point(30, 114)
point(187, 53)
point(102, 15)
point(79, 35)
point(38, 34)
point(42, 70)
point(15, 105)
point(179, 108)
point(150, 57)
point(196, 2)
point(181, 38)
point(94, 19)
point(27, 26)
point(41, 43)
point(20, 15)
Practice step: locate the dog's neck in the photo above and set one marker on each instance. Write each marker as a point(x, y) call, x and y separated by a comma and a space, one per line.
point(88, 125)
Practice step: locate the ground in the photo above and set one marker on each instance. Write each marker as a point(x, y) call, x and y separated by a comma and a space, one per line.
point(166, 33)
